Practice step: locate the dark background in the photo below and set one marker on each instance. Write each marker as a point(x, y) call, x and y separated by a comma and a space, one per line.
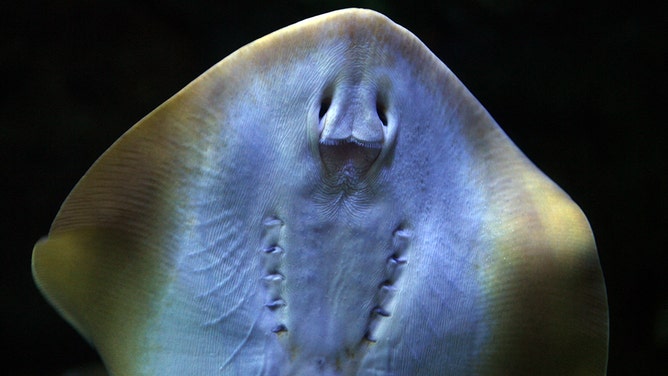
point(578, 85)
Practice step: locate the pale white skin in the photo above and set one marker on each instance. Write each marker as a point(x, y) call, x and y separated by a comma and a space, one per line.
point(330, 200)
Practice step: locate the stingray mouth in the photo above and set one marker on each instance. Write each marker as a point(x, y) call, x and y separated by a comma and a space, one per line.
point(348, 159)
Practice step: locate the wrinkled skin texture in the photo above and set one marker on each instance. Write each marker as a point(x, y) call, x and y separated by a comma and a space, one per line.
point(329, 199)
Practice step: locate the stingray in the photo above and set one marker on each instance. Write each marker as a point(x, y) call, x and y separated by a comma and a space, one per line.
point(327, 200)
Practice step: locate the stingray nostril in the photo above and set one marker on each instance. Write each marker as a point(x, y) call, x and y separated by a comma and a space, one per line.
point(324, 106)
point(381, 111)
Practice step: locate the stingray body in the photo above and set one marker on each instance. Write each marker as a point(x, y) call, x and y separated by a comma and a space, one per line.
point(329, 199)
